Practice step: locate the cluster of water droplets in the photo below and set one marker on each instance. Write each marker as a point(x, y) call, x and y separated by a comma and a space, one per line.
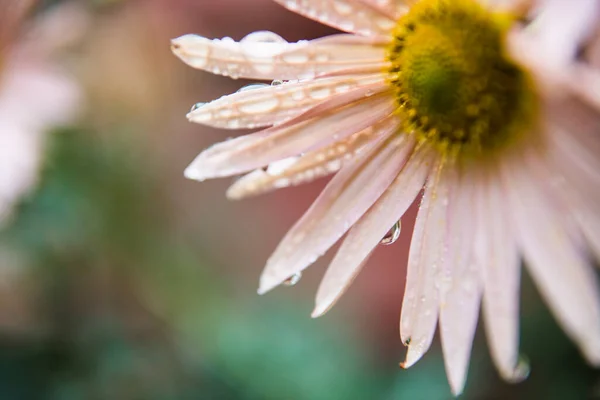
point(256, 45)
point(346, 15)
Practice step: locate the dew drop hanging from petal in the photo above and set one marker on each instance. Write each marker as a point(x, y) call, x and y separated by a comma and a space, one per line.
point(293, 280)
point(196, 106)
point(392, 235)
point(522, 370)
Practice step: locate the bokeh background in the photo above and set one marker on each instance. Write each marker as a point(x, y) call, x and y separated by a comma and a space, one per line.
point(121, 280)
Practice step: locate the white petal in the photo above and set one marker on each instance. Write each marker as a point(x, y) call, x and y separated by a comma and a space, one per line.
point(309, 166)
point(561, 27)
point(258, 59)
point(290, 139)
point(272, 105)
point(421, 301)
point(368, 231)
point(562, 273)
point(460, 281)
point(345, 199)
point(356, 16)
point(501, 277)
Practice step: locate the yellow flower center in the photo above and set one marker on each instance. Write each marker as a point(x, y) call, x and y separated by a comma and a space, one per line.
point(455, 85)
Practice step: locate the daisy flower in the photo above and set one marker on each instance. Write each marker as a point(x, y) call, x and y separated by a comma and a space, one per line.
point(484, 110)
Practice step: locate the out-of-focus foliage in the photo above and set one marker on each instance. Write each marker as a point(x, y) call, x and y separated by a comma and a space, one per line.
point(95, 238)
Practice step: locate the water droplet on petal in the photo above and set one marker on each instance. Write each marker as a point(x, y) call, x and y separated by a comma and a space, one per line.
point(263, 37)
point(393, 234)
point(252, 87)
point(294, 279)
point(522, 370)
point(196, 106)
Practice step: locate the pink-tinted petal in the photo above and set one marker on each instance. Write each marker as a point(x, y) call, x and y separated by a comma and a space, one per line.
point(260, 106)
point(589, 222)
point(262, 148)
point(460, 281)
point(312, 165)
point(577, 162)
point(516, 7)
point(368, 231)
point(576, 179)
point(262, 56)
point(562, 273)
point(421, 301)
point(363, 17)
point(345, 199)
point(585, 82)
point(500, 269)
point(572, 159)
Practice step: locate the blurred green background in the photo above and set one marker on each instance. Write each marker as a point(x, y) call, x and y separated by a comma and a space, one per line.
point(122, 280)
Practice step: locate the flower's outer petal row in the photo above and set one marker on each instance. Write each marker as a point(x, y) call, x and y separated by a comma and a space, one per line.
point(267, 60)
point(350, 193)
point(420, 306)
point(259, 149)
point(310, 166)
point(366, 234)
point(363, 17)
point(326, 108)
point(271, 105)
point(501, 270)
point(562, 26)
point(562, 273)
point(460, 282)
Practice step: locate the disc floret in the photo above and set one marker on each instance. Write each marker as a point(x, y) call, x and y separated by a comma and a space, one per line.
point(455, 85)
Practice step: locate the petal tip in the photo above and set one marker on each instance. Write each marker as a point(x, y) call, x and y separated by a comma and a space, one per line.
point(233, 194)
point(265, 287)
point(591, 352)
point(193, 173)
point(177, 44)
point(412, 356)
point(319, 311)
point(457, 383)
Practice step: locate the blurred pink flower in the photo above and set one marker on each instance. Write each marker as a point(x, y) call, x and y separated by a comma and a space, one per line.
point(486, 111)
point(35, 94)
